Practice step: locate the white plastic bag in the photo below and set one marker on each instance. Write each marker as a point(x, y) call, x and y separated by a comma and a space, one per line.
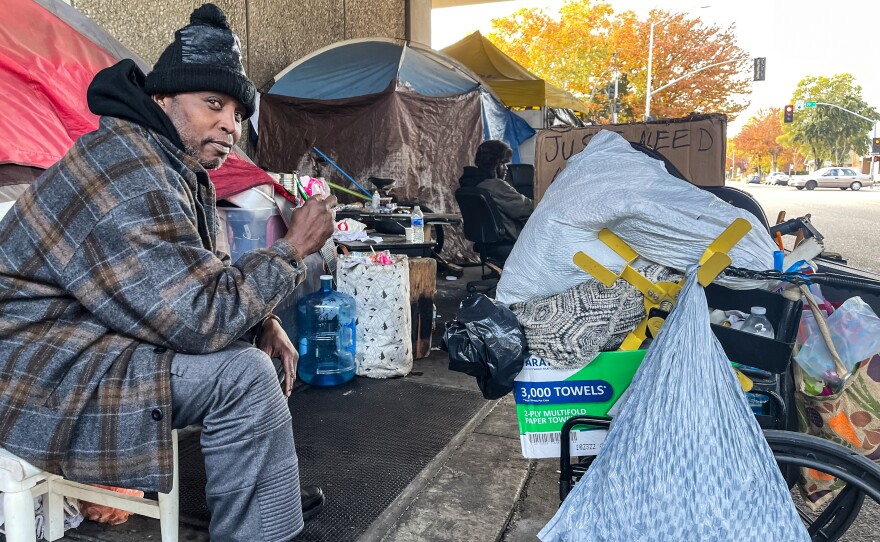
point(72, 516)
point(855, 332)
point(384, 321)
point(609, 184)
point(685, 458)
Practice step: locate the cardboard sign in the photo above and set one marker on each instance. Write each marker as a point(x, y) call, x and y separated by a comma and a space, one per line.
point(696, 145)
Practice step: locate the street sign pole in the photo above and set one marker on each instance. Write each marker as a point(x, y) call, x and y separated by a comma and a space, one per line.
point(872, 158)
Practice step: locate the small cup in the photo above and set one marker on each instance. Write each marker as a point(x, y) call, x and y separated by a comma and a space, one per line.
point(408, 232)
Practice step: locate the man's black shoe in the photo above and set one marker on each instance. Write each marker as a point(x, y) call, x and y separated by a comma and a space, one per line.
point(312, 498)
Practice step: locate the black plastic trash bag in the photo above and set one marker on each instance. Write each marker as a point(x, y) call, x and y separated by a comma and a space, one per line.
point(486, 341)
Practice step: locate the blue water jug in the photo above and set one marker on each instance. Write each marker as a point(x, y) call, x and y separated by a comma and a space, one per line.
point(326, 335)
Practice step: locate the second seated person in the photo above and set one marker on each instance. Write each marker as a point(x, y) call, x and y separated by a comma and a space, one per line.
point(488, 172)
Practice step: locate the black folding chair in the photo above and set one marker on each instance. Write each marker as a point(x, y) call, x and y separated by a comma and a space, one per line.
point(482, 226)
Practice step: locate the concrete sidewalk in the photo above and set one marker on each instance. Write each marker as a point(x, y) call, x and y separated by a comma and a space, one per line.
point(470, 492)
point(479, 488)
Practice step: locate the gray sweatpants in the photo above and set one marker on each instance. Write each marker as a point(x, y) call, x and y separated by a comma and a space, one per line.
point(247, 439)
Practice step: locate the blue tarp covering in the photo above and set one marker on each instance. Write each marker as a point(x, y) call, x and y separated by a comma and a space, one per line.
point(500, 123)
point(426, 75)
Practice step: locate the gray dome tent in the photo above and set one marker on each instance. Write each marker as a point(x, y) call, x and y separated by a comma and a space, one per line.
point(384, 108)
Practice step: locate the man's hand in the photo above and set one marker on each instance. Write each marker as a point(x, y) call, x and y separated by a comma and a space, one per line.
point(274, 341)
point(312, 224)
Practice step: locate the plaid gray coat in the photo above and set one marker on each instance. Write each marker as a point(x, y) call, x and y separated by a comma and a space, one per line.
point(107, 268)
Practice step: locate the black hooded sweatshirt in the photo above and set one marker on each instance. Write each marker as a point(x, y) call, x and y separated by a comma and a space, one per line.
point(514, 207)
point(118, 91)
point(473, 176)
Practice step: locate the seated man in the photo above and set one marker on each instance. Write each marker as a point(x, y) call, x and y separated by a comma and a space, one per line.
point(491, 167)
point(120, 320)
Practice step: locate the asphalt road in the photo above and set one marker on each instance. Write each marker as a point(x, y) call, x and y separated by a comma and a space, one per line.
point(848, 220)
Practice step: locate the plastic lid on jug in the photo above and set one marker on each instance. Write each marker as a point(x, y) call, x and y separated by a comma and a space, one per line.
point(759, 311)
point(326, 277)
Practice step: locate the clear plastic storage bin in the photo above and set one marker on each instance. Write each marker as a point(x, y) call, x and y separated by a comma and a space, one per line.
point(247, 229)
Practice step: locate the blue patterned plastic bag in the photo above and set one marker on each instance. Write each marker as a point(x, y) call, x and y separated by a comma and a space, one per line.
point(685, 458)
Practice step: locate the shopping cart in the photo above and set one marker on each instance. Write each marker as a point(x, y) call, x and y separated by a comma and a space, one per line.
point(768, 363)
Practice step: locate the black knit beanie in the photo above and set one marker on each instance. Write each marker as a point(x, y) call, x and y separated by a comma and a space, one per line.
point(204, 56)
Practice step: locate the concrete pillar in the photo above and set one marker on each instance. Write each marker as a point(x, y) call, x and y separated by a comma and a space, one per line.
point(418, 21)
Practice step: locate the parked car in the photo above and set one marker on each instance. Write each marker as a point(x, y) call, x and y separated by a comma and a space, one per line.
point(754, 179)
point(777, 177)
point(831, 177)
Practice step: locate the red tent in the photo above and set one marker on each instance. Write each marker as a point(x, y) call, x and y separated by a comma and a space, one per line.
point(46, 64)
point(49, 53)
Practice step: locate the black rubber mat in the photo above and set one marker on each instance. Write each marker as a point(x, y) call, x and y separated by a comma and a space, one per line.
point(362, 442)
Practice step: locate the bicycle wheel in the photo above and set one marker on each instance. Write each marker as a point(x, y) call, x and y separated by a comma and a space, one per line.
point(791, 451)
point(861, 476)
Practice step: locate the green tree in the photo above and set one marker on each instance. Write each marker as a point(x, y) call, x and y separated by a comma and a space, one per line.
point(579, 48)
point(828, 133)
point(737, 162)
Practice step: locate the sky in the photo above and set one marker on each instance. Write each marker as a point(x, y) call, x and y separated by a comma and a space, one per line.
point(798, 38)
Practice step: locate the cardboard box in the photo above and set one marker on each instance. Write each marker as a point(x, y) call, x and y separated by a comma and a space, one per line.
point(696, 145)
point(546, 398)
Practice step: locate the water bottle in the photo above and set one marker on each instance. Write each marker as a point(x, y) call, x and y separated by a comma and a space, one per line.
point(376, 201)
point(417, 222)
point(758, 324)
point(326, 336)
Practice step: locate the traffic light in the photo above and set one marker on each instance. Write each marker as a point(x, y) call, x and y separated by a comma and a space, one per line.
point(759, 67)
point(789, 113)
point(875, 145)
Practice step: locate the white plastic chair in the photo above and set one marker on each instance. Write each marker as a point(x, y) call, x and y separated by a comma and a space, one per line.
point(21, 482)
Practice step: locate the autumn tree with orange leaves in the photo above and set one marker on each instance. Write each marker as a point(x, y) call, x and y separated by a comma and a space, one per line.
point(580, 48)
point(736, 162)
point(758, 140)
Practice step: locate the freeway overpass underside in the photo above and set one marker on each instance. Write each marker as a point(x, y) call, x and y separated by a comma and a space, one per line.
point(456, 3)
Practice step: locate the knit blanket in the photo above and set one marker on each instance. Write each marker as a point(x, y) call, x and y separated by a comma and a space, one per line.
point(569, 329)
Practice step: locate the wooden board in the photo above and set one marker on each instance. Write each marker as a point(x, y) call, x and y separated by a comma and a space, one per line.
point(422, 287)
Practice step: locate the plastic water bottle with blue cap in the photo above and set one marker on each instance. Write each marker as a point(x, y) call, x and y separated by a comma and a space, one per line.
point(417, 222)
point(375, 202)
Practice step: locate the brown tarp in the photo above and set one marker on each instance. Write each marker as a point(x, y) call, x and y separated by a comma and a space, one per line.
point(420, 141)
